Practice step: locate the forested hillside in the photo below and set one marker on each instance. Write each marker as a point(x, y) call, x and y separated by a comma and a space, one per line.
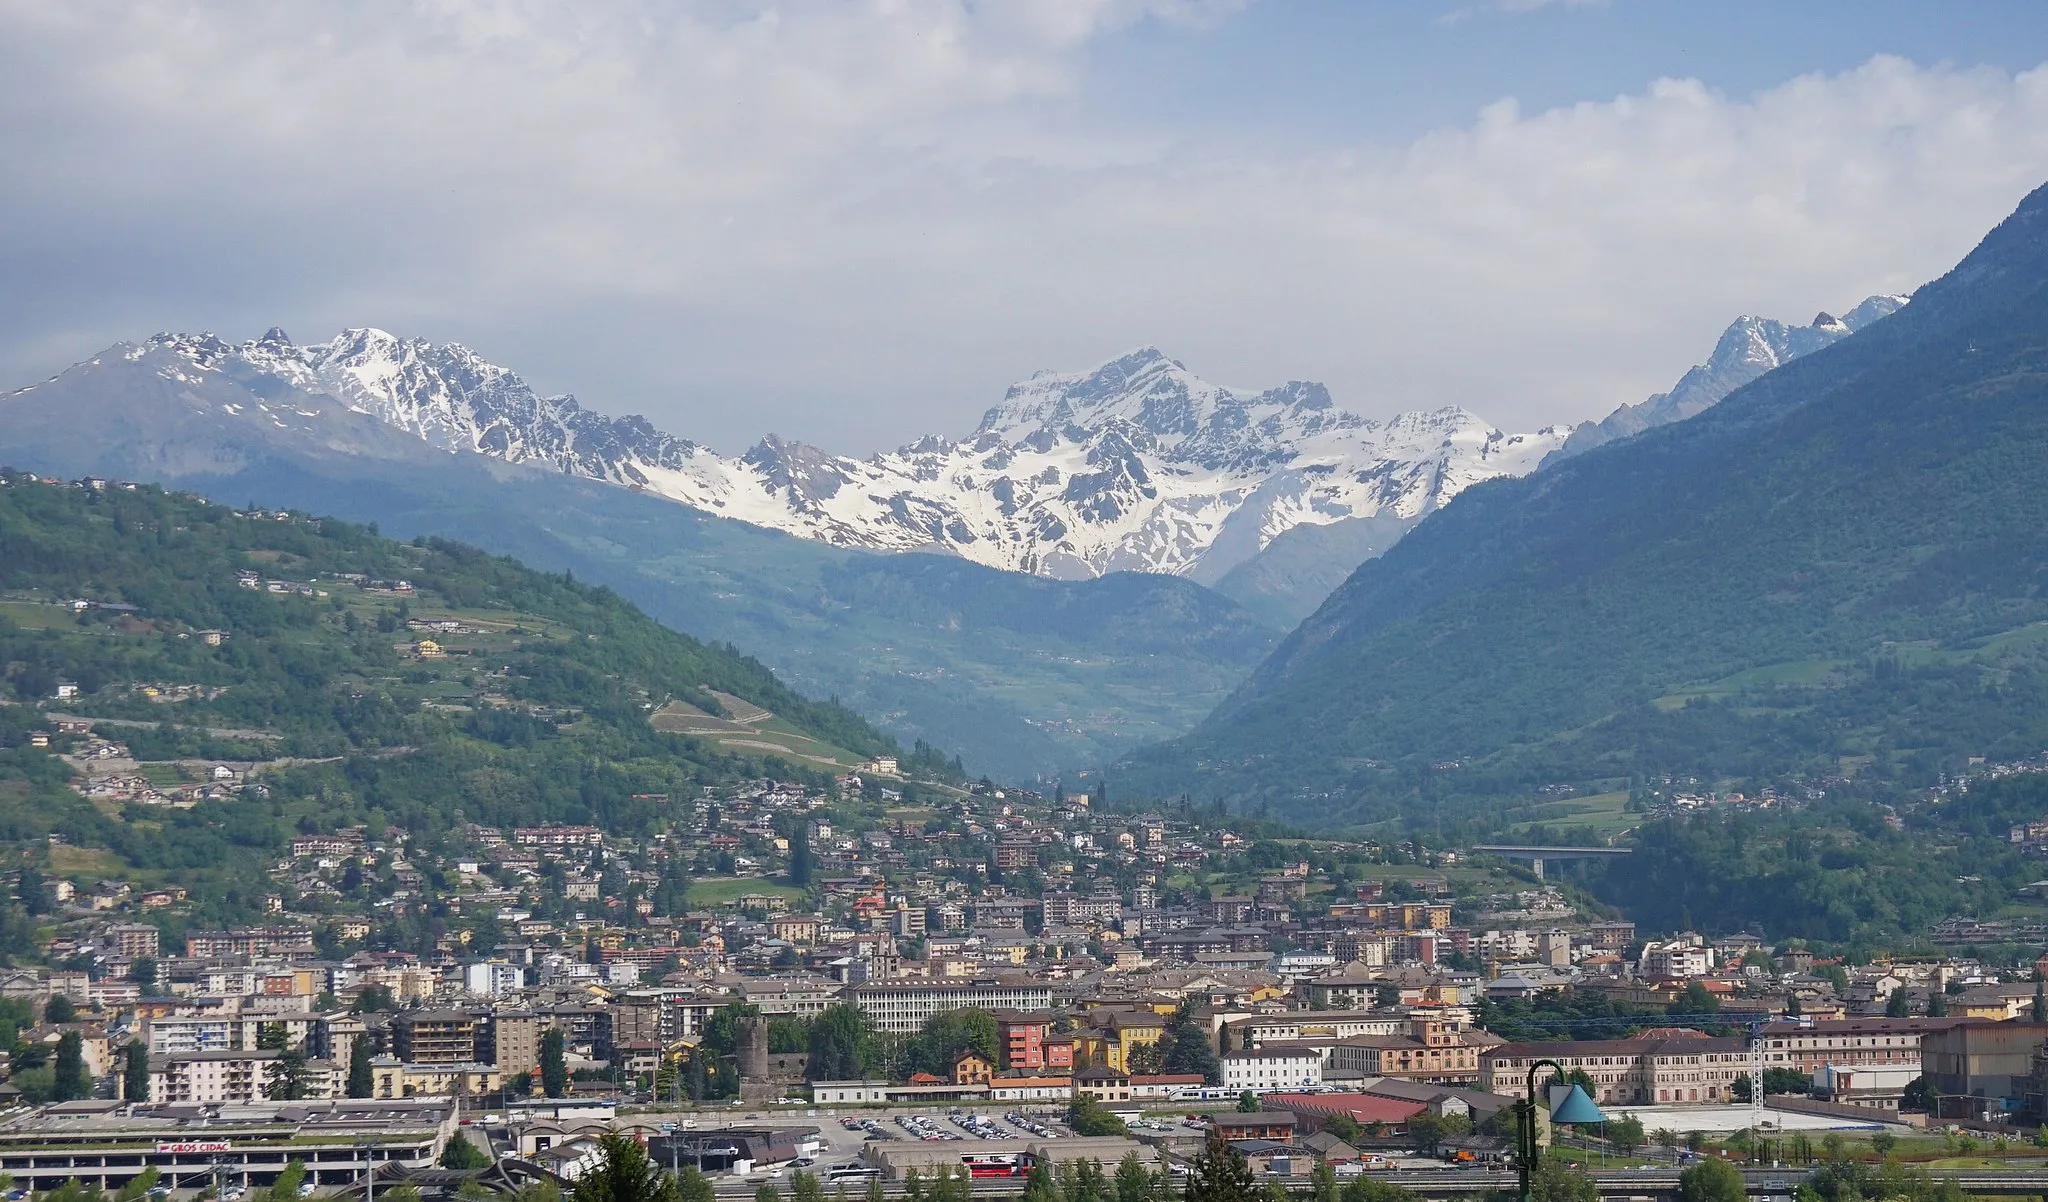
point(1835, 572)
point(1853, 871)
point(355, 680)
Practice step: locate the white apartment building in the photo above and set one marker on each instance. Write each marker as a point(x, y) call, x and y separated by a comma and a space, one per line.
point(1272, 1069)
point(791, 994)
point(491, 978)
point(905, 1006)
point(1677, 958)
point(186, 1035)
point(229, 1076)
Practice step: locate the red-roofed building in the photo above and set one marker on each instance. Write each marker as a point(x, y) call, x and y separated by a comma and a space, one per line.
point(1266, 1124)
point(1312, 1108)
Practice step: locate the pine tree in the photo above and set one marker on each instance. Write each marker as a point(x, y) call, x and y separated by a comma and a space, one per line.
point(1134, 1182)
point(459, 1153)
point(285, 1078)
point(554, 1064)
point(1219, 1174)
point(1189, 1049)
point(135, 1073)
point(800, 856)
point(286, 1187)
point(693, 1186)
point(362, 1076)
point(623, 1173)
point(71, 1080)
point(1039, 1185)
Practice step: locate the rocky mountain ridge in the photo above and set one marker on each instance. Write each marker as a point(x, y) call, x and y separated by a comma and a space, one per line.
point(1137, 465)
point(1748, 348)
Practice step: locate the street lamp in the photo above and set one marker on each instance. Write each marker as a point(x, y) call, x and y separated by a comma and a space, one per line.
point(1576, 1108)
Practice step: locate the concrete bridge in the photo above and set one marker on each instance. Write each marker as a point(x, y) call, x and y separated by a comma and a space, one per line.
point(1537, 855)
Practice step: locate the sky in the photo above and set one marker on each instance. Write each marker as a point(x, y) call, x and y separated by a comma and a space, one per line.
point(853, 222)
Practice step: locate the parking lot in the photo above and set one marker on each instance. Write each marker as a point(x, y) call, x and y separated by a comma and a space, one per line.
point(955, 1124)
point(845, 1136)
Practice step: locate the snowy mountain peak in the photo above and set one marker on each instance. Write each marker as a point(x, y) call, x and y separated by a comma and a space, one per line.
point(446, 394)
point(1748, 348)
point(1135, 465)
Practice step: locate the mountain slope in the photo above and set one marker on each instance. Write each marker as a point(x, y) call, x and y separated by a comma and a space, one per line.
point(1840, 559)
point(535, 707)
point(1748, 348)
point(1019, 675)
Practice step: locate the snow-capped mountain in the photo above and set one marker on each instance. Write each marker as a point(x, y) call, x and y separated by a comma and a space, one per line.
point(447, 395)
point(1138, 465)
point(1748, 348)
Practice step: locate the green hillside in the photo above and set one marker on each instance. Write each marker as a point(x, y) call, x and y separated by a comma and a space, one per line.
point(482, 692)
point(1837, 571)
point(1020, 675)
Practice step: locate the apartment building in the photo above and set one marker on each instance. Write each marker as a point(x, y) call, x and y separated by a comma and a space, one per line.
point(515, 1042)
point(232, 1076)
point(1351, 987)
point(1627, 1071)
point(904, 1006)
point(1810, 1045)
point(1316, 1024)
point(1074, 909)
point(558, 836)
point(1430, 1050)
point(133, 939)
point(1022, 1038)
point(434, 1036)
point(189, 1034)
point(253, 942)
point(390, 1079)
point(791, 996)
point(1272, 1069)
point(489, 978)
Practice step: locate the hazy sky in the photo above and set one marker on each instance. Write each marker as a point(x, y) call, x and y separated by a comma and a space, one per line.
point(856, 221)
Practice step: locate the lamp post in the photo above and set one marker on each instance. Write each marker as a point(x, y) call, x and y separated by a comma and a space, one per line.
point(1576, 1108)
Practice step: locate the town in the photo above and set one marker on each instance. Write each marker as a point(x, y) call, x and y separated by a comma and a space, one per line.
point(1060, 982)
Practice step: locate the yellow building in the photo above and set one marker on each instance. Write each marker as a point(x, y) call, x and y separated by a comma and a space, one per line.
point(1115, 1036)
point(390, 1079)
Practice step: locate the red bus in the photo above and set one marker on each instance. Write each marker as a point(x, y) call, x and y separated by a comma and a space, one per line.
point(995, 1164)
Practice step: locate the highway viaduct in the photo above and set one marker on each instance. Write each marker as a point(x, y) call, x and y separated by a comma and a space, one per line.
point(1537, 855)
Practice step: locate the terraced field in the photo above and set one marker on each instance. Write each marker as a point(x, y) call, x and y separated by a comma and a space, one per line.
point(751, 730)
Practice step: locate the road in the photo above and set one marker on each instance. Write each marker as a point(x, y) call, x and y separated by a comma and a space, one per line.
point(1463, 1183)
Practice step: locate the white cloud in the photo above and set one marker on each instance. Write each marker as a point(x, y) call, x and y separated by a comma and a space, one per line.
point(856, 222)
